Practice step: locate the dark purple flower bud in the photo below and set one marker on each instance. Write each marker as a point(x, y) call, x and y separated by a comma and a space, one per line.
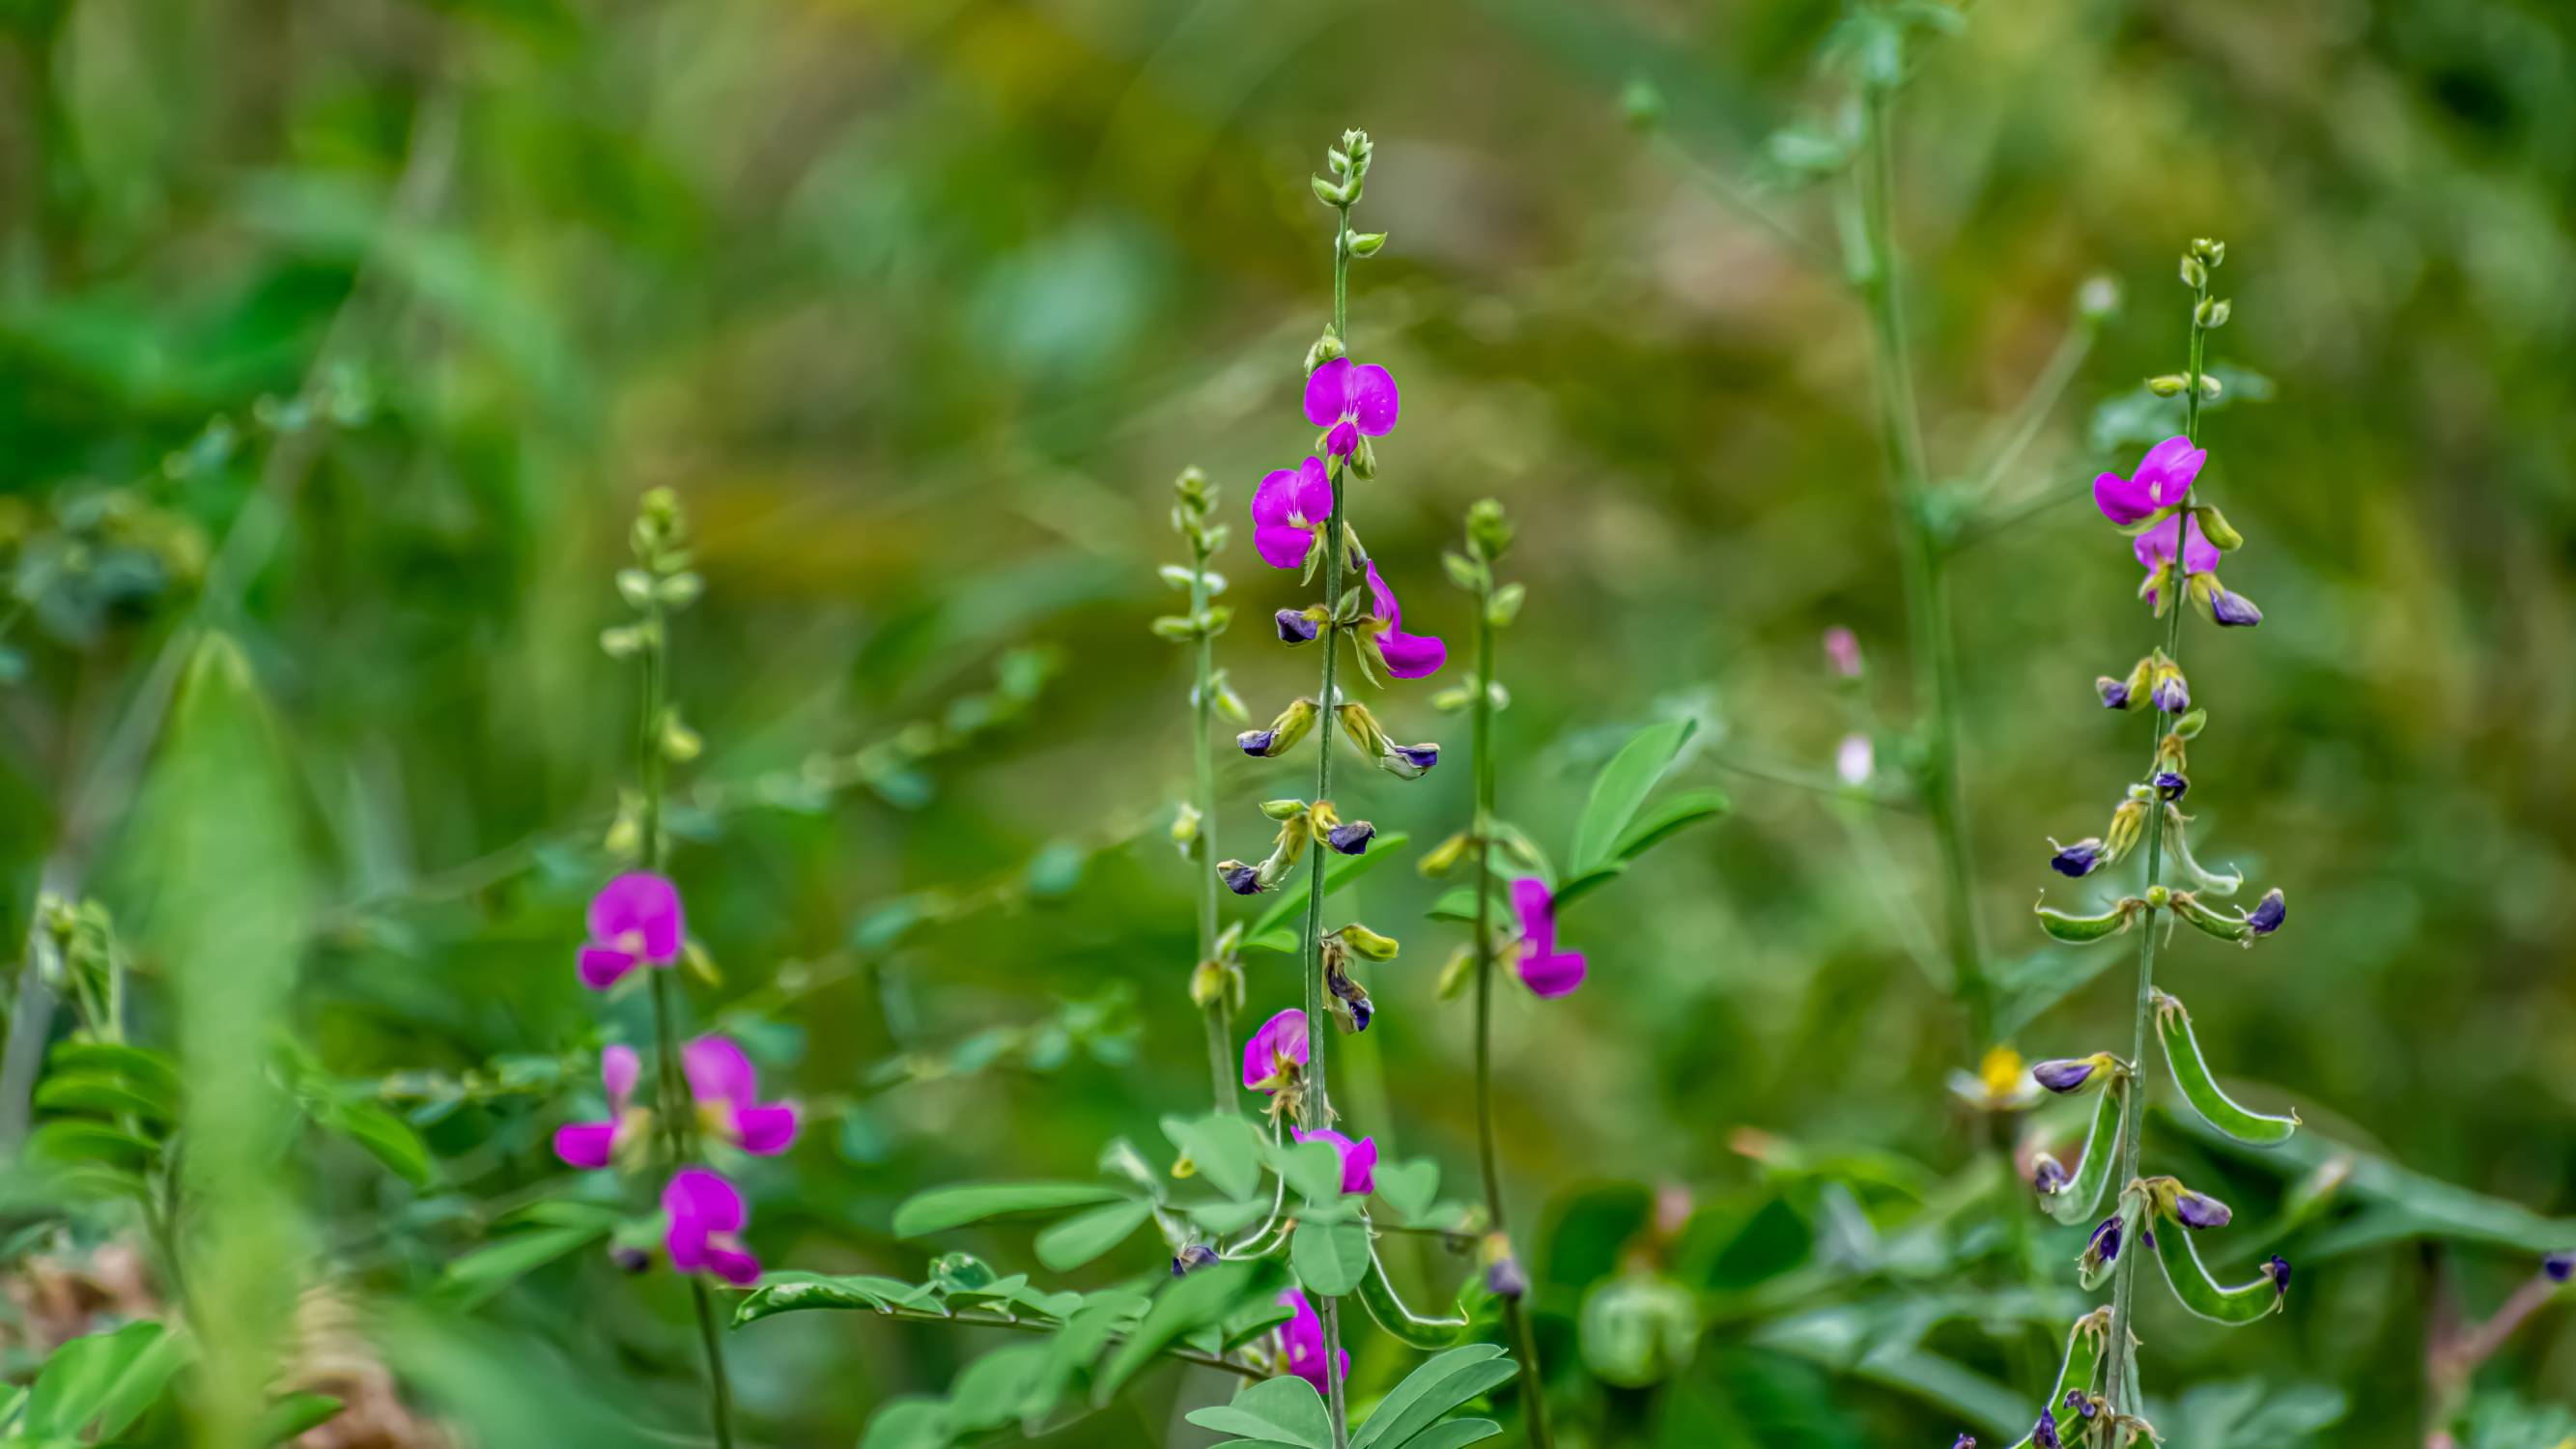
point(2278, 1270)
point(1257, 743)
point(2049, 1176)
point(2067, 1075)
point(2082, 1403)
point(2114, 692)
point(1504, 1279)
point(2106, 1240)
point(2171, 784)
point(1351, 839)
point(1242, 879)
point(2043, 1435)
point(1192, 1258)
point(2559, 1266)
point(2078, 860)
point(2232, 610)
point(630, 1259)
point(2171, 694)
point(2199, 1210)
point(2268, 913)
point(1964, 1441)
point(1420, 757)
point(1295, 627)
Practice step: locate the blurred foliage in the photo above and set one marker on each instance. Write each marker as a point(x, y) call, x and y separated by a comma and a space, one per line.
point(336, 341)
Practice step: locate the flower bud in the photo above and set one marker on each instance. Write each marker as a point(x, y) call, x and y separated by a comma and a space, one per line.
point(2214, 526)
point(1351, 838)
point(2170, 384)
point(2194, 274)
point(1242, 879)
point(1842, 651)
point(1458, 974)
point(1349, 1001)
point(1185, 828)
point(2104, 1246)
point(2209, 250)
point(1339, 195)
point(2048, 1175)
point(2278, 1270)
point(2268, 913)
point(1505, 1280)
point(1366, 944)
point(2172, 784)
point(1299, 626)
point(2199, 1211)
point(2127, 822)
point(1444, 857)
point(1416, 759)
point(2070, 1074)
point(1489, 533)
point(2078, 860)
point(2211, 312)
point(2170, 754)
point(2558, 1267)
point(2168, 690)
point(2126, 693)
point(2043, 1435)
point(630, 1259)
point(1282, 735)
point(1367, 243)
point(1214, 981)
point(1327, 348)
point(1192, 1258)
point(2227, 610)
point(1964, 1441)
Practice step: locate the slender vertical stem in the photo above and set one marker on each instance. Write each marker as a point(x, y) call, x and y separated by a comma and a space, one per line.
point(674, 1106)
point(1489, 1152)
point(2117, 1366)
point(1315, 1105)
point(1220, 1032)
point(1923, 559)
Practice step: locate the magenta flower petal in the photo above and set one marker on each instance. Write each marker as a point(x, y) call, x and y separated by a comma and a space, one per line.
point(719, 1073)
point(1328, 392)
point(704, 1213)
point(1359, 1159)
point(640, 913)
point(2155, 547)
point(618, 1072)
point(1372, 402)
point(1545, 970)
point(602, 967)
point(1282, 1036)
point(2120, 500)
point(1408, 656)
point(1287, 508)
point(1552, 974)
point(734, 1266)
point(1535, 904)
point(586, 1145)
point(765, 1131)
point(1303, 1337)
point(1342, 441)
point(2164, 477)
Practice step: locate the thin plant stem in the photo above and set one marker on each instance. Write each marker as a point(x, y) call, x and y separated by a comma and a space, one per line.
point(1315, 1104)
point(678, 1112)
point(1033, 1325)
point(2117, 1361)
point(1489, 1151)
point(1220, 1031)
point(1923, 557)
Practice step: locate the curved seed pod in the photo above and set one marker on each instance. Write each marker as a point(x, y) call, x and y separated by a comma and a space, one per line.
point(1378, 1296)
point(2200, 1089)
point(2077, 930)
point(2194, 1289)
point(2093, 1269)
point(2076, 1201)
point(2178, 848)
point(2084, 1344)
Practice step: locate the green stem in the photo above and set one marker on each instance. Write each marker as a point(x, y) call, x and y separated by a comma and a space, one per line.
point(1220, 1031)
point(1315, 1104)
point(2133, 1123)
point(1037, 1325)
point(674, 1105)
point(1489, 1152)
point(1923, 558)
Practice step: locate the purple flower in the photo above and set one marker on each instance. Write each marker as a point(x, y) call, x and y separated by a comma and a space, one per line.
point(1406, 656)
point(634, 921)
point(2049, 1175)
point(2559, 1266)
point(1303, 1337)
point(1842, 651)
point(2269, 913)
point(2114, 692)
point(2172, 693)
point(2105, 1245)
point(1544, 969)
point(2233, 611)
point(1964, 1441)
point(1289, 507)
point(1359, 1159)
point(592, 1145)
point(1240, 878)
point(728, 1097)
point(2066, 1075)
point(2163, 479)
point(2043, 1435)
point(2278, 1270)
point(1347, 400)
point(1505, 1279)
point(2172, 784)
point(1192, 1258)
point(2078, 860)
point(706, 1220)
point(1296, 626)
point(1276, 1052)
point(2199, 1210)
point(2082, 1403)
point(1351, 838)
point(1420, 757)
point(2154, 550)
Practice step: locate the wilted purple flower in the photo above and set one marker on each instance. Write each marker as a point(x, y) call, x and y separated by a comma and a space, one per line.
point(2082, 1403)
point(2172, 784)
point(1296, 626)
point(1241, 878)
point(2163, 479)
point(2078, 860)
point(2278, 1270)
point(1842, 650)
point(2199, 1210)
point(1854, 760)
point(1359, 1159)
point(1192, 1258)
point(2105, 1244)
point(2114, 692)
point(1406, 656)
point(2049, 1175)
point(727, 1090)
point(2269, 913)
point(707, 1217)
point(2172, 692)
point(2043, 1435)
point(1287, 510)
point(593, 1145)
point(1347, 400)
point(2067, 1074)
point(634, 921)
point(1964, 1441)
point(2559, 1266)
point(1303, 1338)
point(2233, 611)
point(1276, 1052)
point(1420, 757)
point(1505, 1279)
point(1351, 837)
point(1543, 968)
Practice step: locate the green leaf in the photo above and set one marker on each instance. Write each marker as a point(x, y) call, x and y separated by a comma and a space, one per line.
point(71, 1140)
point(1282, 1410)
point(1621, 789)
point(1077, 1240)
point(1273, 930)
point(1330, 1258)
point(1409, 1187)
point(1459, 906)
point(495, 1266)
point(942, 1208)
point(987, 1394)
point(1669, 819)
point(387, 1138)
point(101, 1095)
point(1224, 1149)
point(1185, 1305)
point(150, 1073)
point(1313, 1169)
point(1430, 1392)
point(1450, 1433)
point(911, 1423)
point(294, 1415)
point(88, 1378)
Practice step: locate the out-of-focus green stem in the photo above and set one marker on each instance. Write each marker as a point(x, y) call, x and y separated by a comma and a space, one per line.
point(2116, 1363)
point(1220, 1031)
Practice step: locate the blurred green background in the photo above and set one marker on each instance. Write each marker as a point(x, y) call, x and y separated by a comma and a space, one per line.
point(355, 329)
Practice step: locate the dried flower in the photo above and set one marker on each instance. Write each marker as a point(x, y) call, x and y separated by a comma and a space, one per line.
point(2078, 860)
point(1192, 1258)
point(2268, 913)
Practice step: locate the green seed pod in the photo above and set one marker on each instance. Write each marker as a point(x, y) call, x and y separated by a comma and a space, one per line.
point(1284, 809)
point(2178, 845)
point(2084, 1344)
point(1377, 1294)
point(2170, 384)
point(2190, 725)
point(1367, 243)
point(2200, 1088)
point(2078, 930)
point(2208, 922)
point(2094, 1266)
point(2215, 527)
point(2082, 1194)
point(1367, 944)
point(2196, 1291)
